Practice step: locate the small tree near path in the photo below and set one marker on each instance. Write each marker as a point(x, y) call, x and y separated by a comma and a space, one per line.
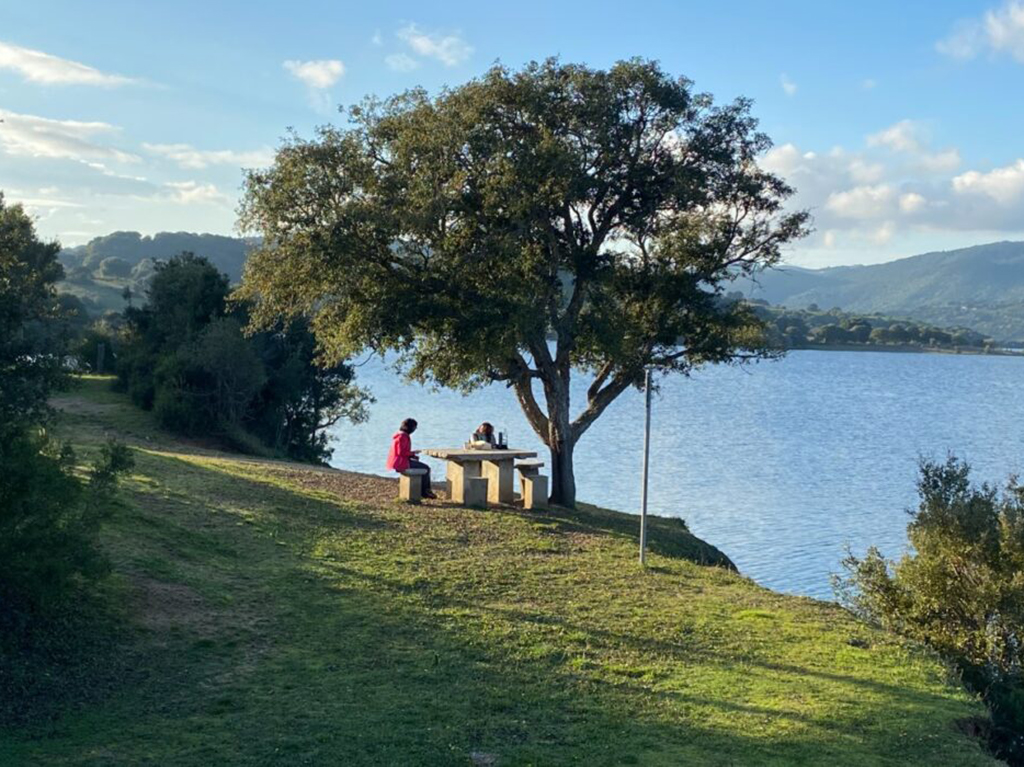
point(525, 227)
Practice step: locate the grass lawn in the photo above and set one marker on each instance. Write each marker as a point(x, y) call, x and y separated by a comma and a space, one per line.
point(274, 614)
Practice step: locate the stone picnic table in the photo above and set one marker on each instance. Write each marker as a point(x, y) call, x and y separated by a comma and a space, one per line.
point(496, 466)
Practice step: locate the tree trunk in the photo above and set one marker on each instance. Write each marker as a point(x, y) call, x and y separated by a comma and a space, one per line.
point(561, 442)
point(563, 479)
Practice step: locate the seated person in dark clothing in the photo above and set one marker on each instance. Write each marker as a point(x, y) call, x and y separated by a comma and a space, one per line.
point(402, 456)
point(483, 437)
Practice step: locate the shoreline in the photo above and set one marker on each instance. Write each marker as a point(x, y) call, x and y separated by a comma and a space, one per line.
point(906, 349)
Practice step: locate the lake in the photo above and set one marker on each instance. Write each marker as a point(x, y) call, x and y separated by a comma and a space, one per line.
point(780, 464)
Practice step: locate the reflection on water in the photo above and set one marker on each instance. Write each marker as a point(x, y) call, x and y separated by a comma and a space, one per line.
point(781, 465)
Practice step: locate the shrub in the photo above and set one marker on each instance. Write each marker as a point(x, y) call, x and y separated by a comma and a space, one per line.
point(185, 356)
point(960, 589)
point(49, 518)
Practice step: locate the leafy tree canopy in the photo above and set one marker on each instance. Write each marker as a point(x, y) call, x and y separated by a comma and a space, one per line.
point(601, 208)
point(184, 355)
point(29, 366)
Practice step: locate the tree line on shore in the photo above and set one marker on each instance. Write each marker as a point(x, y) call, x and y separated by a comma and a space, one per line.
point(813, 327)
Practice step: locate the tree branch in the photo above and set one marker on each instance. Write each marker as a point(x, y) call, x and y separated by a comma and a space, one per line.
point(602, 376)
point(522, 377)
point(598, 403)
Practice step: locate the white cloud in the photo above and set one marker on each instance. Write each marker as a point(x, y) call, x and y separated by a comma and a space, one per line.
point(909, 137)
point(864, 172)
point(32, 136)
point(401, 62)
point(1005, 29)
point(450, 50)
point(862, 202)
point(1000, 30)
point(787, 85)
point(43, 68)
point(964, 42)
point(1004, 185)
point(912, 202)
point(937, 162)
point(187, 156)
point(783, 159)
point(376, 39)
point(36, 203)
point(868, 84)
point(882, 234)
point(318, 75)
point(901, 137)
point(192, 192)
point(876, 196)
point(787, 160)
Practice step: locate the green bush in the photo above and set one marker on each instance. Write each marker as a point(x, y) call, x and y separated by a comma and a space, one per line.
point(960, 589)
point(49, 519)
point(184, 354)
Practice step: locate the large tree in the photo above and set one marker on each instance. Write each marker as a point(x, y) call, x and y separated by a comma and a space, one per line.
point(31, 343)
point(522, 227)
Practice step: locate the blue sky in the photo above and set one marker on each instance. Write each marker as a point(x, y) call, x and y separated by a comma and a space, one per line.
point(899, 123)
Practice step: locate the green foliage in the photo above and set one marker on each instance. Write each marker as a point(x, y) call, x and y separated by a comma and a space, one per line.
point(114, 268)
point(30, 345)
point(208, 385)
point(604, 208)
point(86, 347)
point(184, 355)
point(49, 519)
point(185, 295)
point(800, 329)
point(303, 395)
point(959, 590)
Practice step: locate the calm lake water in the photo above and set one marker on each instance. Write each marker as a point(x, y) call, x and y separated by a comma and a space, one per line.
point(781, 464)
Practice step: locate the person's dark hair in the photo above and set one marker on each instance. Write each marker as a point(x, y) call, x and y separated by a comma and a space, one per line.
point(408, 425)
point(485, 428)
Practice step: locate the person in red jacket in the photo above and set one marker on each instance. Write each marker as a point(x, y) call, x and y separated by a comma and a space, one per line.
point(402, 456)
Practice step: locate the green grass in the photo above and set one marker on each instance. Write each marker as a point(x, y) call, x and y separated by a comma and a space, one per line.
point(268, 621)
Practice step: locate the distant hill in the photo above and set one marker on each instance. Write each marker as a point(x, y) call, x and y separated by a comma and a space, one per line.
point(981, 287)
point(98, 272)
point(226, 253)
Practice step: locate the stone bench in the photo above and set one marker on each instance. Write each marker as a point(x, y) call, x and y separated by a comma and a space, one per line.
point(410, 485)
point(529, 467)
point(534, 484)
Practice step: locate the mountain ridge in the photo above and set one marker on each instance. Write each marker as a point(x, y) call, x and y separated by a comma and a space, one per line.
point(940, 286)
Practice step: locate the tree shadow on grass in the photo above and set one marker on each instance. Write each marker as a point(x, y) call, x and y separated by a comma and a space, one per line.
point(685, 651)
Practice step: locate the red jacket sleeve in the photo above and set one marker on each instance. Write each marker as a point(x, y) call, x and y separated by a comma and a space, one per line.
point(400, 453)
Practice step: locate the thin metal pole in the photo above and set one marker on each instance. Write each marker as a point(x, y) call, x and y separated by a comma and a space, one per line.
point(647, 453)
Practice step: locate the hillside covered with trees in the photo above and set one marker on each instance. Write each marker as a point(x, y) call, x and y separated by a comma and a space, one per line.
point(980, 287)
point(100, 272)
